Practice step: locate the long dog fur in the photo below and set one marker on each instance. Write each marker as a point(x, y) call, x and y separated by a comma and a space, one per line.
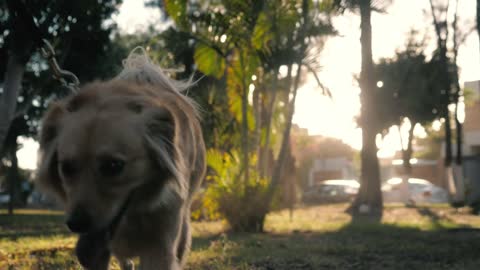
point(142, 117)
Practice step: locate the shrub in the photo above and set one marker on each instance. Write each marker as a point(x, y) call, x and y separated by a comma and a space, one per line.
point(241, 204)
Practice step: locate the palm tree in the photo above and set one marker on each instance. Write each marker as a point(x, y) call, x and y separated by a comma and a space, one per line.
point(369, 198)
point(439, 15)
point(370, 193)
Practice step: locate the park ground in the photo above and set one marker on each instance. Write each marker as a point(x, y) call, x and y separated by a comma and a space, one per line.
point(318, 237)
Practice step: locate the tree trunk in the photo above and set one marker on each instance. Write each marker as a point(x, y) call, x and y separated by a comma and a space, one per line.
point(264, 150)
point(20, 48)
point(448, 139)
point(290, 110)
point(458, 90)
point(258, 112)
point(441, 30)
point(459, 130)
point(285, 146)
point(267, 125)
point(11, 89)
point(369, 198)
point(13, 179)
point(407, 153)
point(245, 148)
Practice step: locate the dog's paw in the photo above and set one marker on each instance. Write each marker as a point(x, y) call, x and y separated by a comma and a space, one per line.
point(92, 251)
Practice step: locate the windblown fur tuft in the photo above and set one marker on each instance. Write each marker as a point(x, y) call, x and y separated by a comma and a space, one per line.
point(139, 68)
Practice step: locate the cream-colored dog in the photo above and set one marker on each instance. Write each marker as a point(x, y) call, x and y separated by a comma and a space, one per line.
point(125, 157)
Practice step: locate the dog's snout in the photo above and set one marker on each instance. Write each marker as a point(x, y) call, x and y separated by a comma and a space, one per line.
point(79, 221)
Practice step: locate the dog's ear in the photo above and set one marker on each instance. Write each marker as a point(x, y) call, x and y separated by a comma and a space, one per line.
point(47, 172)
point(161, 143)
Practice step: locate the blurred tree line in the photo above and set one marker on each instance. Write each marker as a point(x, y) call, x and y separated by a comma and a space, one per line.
point(82, 36)
point(249, 58)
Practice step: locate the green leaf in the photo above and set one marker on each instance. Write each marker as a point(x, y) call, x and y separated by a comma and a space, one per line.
point(215, 160)
point(177, 10)
point(239, 76)
point(326, 5)
point(262, 33)
point(209, 61)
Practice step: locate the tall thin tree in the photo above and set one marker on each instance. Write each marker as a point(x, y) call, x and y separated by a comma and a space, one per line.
point(441, 29)
point(369, 198)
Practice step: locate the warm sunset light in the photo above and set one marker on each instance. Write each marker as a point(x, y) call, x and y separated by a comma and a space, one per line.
point(240, 134)
point(340, 64)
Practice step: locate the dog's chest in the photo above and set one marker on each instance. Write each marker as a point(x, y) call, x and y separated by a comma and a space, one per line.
point(137, 233)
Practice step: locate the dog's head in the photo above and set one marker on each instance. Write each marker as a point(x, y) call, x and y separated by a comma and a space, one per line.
point(100, 145)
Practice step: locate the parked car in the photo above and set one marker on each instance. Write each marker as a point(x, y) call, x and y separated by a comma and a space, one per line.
point(419, 191)
point(329, 191)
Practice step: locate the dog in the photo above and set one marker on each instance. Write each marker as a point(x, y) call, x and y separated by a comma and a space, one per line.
point(125, 157)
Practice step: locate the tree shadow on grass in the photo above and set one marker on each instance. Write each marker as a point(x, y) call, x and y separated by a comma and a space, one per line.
point(354, 246)
point(367, 246)
point(440, 221)
point(22, 225)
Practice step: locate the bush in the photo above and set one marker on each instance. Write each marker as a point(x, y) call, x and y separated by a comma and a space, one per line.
point(204, 207)
point(241, 204)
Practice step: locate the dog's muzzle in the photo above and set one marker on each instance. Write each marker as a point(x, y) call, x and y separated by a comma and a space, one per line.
point(92, 248)
point(79, 221)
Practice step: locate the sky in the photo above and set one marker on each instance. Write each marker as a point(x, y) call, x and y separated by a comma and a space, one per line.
point(340, 60)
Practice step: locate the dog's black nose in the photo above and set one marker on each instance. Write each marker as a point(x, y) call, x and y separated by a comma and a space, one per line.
point(79, 221)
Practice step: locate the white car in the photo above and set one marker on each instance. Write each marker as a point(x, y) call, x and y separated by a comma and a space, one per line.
point(417, 191)
point(333, 190)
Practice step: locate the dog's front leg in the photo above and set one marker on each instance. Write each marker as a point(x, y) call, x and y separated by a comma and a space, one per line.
point(159, 261)
point(102, 265)
point(126, 264)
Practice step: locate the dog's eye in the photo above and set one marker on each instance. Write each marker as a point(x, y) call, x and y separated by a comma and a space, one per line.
point(111, 167)
point(68, 168)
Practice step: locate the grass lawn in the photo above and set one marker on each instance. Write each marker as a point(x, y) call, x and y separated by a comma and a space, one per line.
point(320, 237)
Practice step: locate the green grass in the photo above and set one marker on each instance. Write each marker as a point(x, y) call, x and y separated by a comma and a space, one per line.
point(321, 237)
